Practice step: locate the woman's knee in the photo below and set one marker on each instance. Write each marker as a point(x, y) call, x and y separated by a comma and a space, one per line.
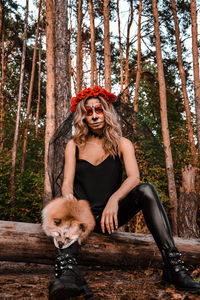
point(147, 189)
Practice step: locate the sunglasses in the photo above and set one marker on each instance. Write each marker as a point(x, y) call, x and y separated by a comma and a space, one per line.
point(98, 110)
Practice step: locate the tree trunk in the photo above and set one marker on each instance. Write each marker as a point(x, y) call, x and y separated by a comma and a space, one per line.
point(120, 52)
point(30, 90)
point(69, 55)
point(138, 75)
point(79, 56)
point(1, 17)
point(93, 48)
point(2, 85)
point(14, 149)
point(188, 205)
point(196, 68)
point(127, 53)
point(30, 244)
point(183, 84)
point(62, 91)
point(1, 98)
point(50, 93)
point(107, 58)
point(39, 88)
point(164, 123)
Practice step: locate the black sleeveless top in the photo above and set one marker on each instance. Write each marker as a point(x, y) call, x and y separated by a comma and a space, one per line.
point(97, 183)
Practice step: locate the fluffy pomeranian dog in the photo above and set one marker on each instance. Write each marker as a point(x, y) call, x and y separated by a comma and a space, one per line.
point(67, 221)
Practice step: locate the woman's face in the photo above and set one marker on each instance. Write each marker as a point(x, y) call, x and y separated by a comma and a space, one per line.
point(94, 114)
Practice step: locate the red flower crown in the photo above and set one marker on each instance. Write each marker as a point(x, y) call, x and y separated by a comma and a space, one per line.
point(95, 92)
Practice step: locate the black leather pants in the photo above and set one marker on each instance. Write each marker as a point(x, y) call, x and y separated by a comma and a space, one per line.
point(144, 197)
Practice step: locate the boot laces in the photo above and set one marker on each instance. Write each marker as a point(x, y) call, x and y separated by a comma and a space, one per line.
point(63, 263)
point(175, 261)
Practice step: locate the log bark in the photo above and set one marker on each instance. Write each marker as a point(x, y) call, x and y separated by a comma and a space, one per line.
point(26, 242)
point(188, 205)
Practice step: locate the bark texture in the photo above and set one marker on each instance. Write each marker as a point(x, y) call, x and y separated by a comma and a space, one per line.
point(29, 244)
point(1, 96)
point(138, 75)
point(107, 58)
point(120, 52)
point(164, 122)
point(1, 16)
point(62, 93)
point(14, 148)
point(79, 57)
point(93, 48)
point(39, 86)
point(183, 85)
point(28, 110)
point(3, 67)
point(188, 205)
point(50, 96)
point(127, 52)
point(196, 68)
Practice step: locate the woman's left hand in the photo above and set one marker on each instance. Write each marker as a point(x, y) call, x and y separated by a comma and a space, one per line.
point(109, 216)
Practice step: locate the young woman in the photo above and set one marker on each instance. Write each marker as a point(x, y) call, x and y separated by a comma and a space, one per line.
point(93, 171)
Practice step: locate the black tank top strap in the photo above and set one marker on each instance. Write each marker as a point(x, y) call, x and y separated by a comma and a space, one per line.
point(77, 152)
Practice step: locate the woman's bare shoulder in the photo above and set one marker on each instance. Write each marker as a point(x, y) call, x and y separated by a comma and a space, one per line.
point(125, 146)
point(124, 143)
point(70, 145)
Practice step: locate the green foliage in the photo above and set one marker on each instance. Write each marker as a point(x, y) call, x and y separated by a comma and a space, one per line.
point(28, 196)
point(28, 185)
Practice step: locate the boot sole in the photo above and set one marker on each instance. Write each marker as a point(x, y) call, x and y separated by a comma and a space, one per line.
point(86, 290)
point(66, 292)
point(193, 290)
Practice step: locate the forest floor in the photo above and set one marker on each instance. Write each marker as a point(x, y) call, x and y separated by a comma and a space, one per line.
point(21, 281)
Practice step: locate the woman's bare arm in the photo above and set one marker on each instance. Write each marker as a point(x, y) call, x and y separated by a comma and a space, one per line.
point(133, 178)
point(131, 167)
point(69, 170)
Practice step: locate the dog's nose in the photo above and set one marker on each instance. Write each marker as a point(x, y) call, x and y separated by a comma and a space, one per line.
point(60, 244)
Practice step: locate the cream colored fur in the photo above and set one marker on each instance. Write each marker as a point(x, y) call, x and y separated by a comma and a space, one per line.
point(67, 220)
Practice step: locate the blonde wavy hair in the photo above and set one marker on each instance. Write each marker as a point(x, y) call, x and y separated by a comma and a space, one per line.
point(111, 131)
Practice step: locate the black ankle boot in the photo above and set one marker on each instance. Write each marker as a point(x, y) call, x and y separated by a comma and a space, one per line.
point(174, 271)
point(69, 282)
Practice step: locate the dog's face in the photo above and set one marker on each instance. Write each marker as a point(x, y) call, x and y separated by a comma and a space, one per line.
point(67, 221)
point(66, 232)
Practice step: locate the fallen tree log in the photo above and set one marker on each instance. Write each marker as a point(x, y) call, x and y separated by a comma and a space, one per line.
point(26, 242)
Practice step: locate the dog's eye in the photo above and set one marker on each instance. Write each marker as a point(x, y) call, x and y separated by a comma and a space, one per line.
point(57, 222)
point(82, 227)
